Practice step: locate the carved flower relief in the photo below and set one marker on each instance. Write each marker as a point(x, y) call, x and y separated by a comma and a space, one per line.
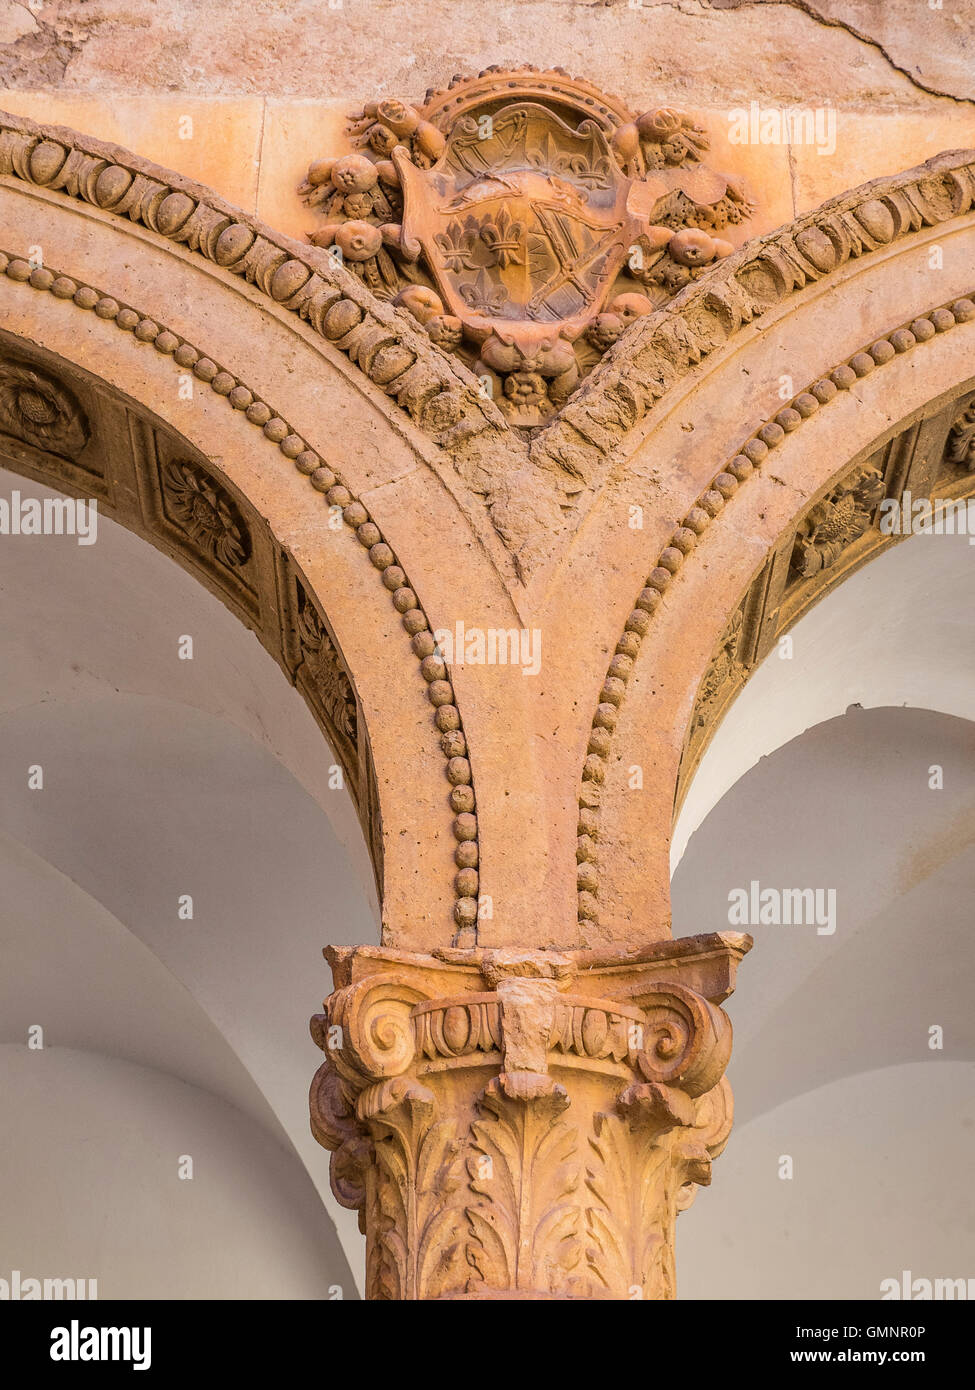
point(526, 389)
point(206, 513)
point(721, 670)
point(321, 661)
point(835, 522)
point(40, 411)
point(961, 440)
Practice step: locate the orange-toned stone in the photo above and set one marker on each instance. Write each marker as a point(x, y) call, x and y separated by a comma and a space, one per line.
point(524, 1125)
point(708, 481)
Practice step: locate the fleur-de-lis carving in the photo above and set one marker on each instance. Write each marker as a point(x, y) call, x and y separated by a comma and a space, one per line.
point(590, 173)
point(483, 297)
point(504, 238)
point(456, 246)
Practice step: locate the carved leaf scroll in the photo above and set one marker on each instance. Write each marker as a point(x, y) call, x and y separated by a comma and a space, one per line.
point(525, 1234)
point(627, 1245)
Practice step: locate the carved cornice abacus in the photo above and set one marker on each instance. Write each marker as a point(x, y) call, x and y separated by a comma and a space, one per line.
point(707, 509)
point(239, 397)
point(524, 1124)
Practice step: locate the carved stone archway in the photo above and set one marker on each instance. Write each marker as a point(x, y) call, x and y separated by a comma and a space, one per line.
point(524, 1083)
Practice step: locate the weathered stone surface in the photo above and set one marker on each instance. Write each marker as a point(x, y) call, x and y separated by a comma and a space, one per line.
point(290, 47)
point(523, 1125)
point(934, 45)
point(342, 484)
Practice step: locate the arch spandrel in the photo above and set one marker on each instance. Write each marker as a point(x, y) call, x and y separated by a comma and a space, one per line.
point(759, 563)
point(428, 446)
point(315, 400)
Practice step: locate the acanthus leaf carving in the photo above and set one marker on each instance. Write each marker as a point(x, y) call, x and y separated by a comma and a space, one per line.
point(495, 1129)
point(525, 1164)
point(418, 1161)
point(626, 1242)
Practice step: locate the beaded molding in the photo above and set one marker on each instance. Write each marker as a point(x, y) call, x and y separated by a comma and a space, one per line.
point(439, 395)
point(324, 480)
point(706, 509)
point(658, 350)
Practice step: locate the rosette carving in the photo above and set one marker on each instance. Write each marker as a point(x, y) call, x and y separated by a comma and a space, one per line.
point(205, 512)
point(40, 411)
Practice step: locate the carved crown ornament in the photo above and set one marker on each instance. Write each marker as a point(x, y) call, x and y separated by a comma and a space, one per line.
point(525, 220)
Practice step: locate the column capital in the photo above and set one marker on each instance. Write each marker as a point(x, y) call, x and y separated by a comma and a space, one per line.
point(524, 1124)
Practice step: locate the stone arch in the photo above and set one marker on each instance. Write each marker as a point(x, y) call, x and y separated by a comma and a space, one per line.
point(882, 638)
point(893, 324)
point(186, 356)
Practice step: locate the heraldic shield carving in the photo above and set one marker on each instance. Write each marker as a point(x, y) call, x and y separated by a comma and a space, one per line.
point(525, 220)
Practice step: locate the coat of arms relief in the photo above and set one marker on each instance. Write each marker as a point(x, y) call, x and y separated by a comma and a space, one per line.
point(524, 219)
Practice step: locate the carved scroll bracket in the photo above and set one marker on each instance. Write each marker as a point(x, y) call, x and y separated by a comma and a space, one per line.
point(524, 1124)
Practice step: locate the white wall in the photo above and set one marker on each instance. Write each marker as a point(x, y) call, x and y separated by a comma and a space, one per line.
point(161, 778)
point(832, 1064)
point(90, 1151)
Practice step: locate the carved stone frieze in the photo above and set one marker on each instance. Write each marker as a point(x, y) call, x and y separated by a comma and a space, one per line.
point(722, 669)
point(523, 224)
point(40, 411)
point(524, 1124)
point(322, 670)
point(205, 511)
point(840, 518)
